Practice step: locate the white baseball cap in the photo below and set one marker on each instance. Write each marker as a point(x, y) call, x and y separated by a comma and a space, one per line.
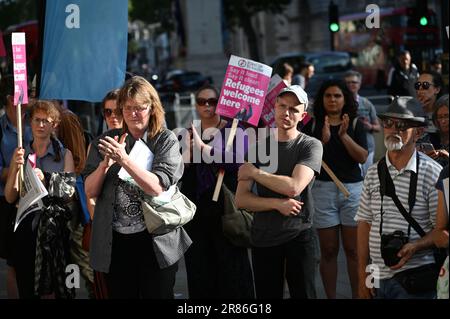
point(299, 93)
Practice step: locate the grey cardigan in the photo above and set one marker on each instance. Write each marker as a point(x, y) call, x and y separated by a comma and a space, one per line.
point(167, 165)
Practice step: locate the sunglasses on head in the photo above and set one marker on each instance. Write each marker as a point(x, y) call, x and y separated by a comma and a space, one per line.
point(399, 125)
point(425, 85)
point(109, 112)
point(211, 101)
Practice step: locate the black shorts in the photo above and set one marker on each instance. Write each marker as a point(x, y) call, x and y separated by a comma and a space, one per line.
point(7, 216)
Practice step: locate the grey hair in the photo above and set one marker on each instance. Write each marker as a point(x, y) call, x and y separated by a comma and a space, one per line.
point(353, 73)
point(441, 102)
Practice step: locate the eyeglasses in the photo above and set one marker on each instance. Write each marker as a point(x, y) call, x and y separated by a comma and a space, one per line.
point(399, 125)
point(211, 101)
point(442, 117)
point(425, 85)
point(109, 112)
point(136, 109)
point(352, 82)
point(38, 121)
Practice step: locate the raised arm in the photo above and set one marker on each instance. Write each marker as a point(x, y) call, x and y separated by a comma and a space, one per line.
point(357, 152)
point(94, 180)
point(12, 182)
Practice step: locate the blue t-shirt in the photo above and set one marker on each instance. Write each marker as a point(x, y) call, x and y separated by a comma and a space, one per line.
point(47, 162)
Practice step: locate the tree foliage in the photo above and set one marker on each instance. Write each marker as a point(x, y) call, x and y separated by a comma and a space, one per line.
point(151, 11)
point(238, 13)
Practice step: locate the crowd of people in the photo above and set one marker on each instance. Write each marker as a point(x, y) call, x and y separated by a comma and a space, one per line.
point(324, 187)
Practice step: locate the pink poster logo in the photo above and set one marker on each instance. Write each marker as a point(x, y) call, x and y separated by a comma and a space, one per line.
point(244, 90)
point(20, 68)
point(242, 63)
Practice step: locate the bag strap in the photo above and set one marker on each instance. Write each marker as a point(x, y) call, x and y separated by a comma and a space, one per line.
point(79, 186)
point(387, 188)
point(355, 120)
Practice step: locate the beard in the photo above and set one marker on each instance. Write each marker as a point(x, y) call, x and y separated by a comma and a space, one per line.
point(393, 142)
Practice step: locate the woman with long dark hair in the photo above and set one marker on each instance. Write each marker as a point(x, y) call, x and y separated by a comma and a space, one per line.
point(344, 148)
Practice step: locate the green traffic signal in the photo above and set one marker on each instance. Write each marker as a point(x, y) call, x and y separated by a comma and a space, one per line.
point(423, 21)
point(334, 27)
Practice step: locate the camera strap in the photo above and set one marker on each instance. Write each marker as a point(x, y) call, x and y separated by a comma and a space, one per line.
point(387, 188)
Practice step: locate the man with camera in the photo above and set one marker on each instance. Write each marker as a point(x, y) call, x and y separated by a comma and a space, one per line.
point(397, 212)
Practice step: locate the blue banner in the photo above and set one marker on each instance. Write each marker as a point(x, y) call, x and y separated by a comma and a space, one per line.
point(85, 49)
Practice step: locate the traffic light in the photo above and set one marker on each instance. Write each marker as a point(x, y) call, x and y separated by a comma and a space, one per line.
point(422, 13)
point(333, 17)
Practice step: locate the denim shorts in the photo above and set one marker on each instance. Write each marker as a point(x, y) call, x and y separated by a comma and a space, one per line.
point(331, 207)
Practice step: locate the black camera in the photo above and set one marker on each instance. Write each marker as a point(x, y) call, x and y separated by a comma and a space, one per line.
point(391, 245)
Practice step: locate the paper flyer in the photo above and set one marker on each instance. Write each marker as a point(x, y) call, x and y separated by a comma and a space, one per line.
point(446, 193)
point(34, 192)
point(143, 157)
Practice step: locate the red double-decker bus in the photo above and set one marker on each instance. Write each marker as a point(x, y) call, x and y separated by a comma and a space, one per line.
point(373, 50)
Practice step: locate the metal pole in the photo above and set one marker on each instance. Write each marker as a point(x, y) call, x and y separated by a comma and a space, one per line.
point(331, 41)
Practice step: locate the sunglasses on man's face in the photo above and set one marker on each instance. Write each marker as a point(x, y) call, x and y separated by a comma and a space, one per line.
point(211, 101)
point(399, 125)
point(109, 112)
point(424, 85)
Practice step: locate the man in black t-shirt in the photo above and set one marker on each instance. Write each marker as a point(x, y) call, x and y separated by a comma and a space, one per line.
point(281, 234)
point(402, 77)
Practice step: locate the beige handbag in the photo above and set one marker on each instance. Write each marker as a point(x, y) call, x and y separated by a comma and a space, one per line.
point(163, 217)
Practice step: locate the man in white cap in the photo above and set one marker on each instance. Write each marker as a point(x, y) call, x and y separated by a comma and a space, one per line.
point(281, 233)
point(400, 186)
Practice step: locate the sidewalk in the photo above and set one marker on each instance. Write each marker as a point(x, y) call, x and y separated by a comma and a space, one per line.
point(181, 291)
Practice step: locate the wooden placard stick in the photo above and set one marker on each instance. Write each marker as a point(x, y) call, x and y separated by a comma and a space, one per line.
point(336, 180)
point(227, 148)
point(19, 140)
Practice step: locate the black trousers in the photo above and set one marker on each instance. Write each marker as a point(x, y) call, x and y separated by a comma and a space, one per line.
point(134, 271)
point(216, 268)
point(23, 257)
point(7, 216)
point(293, 260)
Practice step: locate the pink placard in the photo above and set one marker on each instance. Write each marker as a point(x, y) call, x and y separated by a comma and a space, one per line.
point(268, 112)
point(33, 159)
point(20, 68)
point(2, 46)
point(244, 90)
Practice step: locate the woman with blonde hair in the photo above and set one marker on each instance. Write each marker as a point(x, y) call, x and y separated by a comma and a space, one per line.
point(121, 246)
